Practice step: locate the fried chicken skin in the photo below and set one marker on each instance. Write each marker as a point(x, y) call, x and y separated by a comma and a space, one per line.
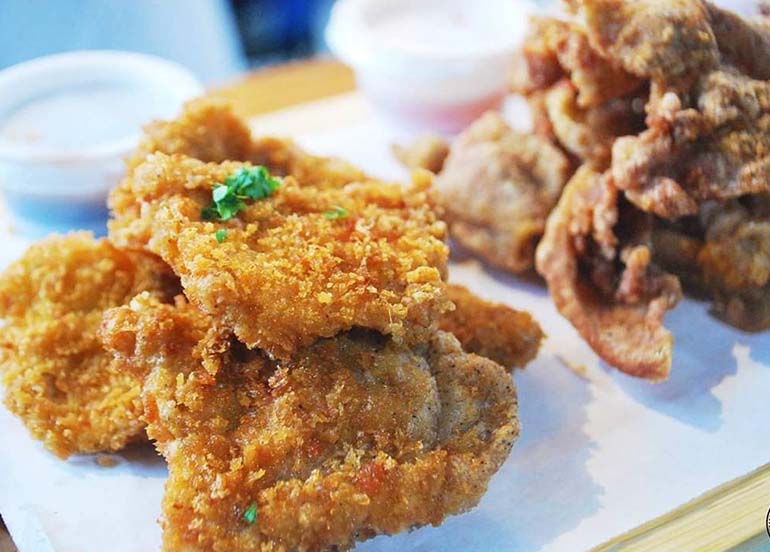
point(69, 392)
point(579, 99)
point(723, 253)
point(497, 188)
point(355, 436)
point(708, 117)
point(509, 337)
point(644, 209)
point(587, 134)
point(735, 261)
point(287, 273)
point(555, 50)
point(601, 276)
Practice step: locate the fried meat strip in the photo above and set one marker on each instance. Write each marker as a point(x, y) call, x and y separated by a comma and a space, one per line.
point(724, 254)
point(497, 188)
point(601, 277)
point(579, 99)
point(735, 261)
point(588, 134)
point(708, 119)
point(287, 273)
point(555, 50)
point(69, 392)
point(495, 331)
point(355, 436)
point(701, 150)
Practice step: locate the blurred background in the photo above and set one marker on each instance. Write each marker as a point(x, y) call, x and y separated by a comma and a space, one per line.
point(217, 39)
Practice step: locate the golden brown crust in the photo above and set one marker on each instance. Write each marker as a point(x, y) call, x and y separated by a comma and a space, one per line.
point(735, 261)
point(353, 437)
point(555, 50)
point(509, 337)
point(709, 112)
point(702, 73)
point(580, 99)
point(58, 379)
point(589, 133)
point(427, 152)
point(287, 274)
point(667, 41)
point(688, 156)
point(723, 254)
point(579, 247)
point(209, 130)
point(497, 188)
point(746, 307)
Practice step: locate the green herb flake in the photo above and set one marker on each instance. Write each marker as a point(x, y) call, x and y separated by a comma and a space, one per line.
point(221, 235)
point(229, 199)
point(250, 515)
point(337, 212)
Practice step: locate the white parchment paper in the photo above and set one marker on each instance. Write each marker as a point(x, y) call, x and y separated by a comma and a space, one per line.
point(598, 455)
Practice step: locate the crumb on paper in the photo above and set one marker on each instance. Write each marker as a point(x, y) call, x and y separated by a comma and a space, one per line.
point(106, 460)
point(579, 370)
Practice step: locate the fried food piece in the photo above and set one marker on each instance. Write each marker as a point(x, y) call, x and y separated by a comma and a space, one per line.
point(355, 436)
point(602, 279)
point(708, 120)
point(744, 44)
point(287, 273)
point(427, 152)
point(579, 99)
point(735, 261)
point(68, 391)
point(209, 130)
point(497, 188)
point(724, 254)
point(555, 50)
point(689, 156)
point(589, 133)
point(509, 337)
point(668, 42)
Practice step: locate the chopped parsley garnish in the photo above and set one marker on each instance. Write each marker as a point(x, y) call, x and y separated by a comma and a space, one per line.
point(337, 212)
point(250, 515)
point(229, 199)
point(221, 235)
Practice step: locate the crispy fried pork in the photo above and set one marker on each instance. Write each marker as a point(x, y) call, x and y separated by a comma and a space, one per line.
point(355, 436)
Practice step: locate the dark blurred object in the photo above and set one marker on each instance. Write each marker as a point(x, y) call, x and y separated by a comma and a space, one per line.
point(273, 31)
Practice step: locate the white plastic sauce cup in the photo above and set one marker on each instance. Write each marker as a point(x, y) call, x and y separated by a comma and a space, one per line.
point(79, 114)
point(429, 64)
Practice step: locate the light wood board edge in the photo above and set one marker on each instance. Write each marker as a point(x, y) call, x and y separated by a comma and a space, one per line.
point(323, 115)
point(722, 519)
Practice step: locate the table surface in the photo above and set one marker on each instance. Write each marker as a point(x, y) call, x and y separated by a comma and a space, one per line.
point(302, 82)
point(255, 94)
point(286, 85)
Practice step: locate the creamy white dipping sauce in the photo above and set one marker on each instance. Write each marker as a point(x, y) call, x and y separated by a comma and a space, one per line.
point(449, 27)
point(79, 117)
